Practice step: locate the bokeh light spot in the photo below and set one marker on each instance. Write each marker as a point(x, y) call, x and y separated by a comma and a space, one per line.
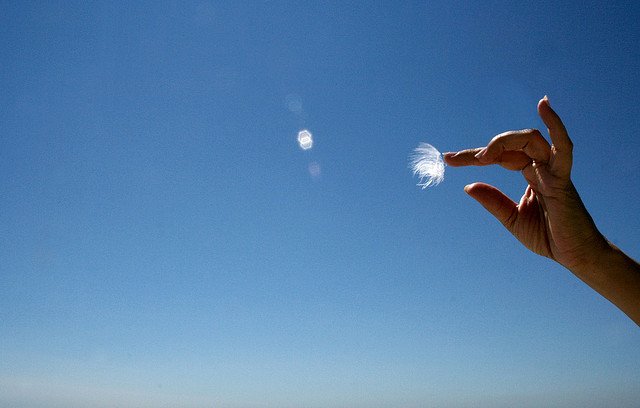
point(314, 170)
point(305, 139)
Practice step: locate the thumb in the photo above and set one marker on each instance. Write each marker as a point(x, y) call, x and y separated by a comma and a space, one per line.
point(494, 201)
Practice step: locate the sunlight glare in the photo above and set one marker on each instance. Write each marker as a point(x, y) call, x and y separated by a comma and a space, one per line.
point(305, 139)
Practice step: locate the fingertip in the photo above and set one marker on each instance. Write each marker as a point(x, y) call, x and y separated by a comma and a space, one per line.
point(544, 103)
point(546, 112)
point(470, 187)
point(454, 159)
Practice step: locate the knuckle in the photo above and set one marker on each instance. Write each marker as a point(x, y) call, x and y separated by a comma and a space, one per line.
point(502, 137)
point(569, 145)
point(536, 133)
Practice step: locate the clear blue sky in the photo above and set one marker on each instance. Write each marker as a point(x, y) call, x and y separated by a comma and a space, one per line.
point(165, 242)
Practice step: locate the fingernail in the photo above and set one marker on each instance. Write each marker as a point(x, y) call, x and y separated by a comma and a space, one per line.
point(546, 99)
point(449, 154)
point(467, 188)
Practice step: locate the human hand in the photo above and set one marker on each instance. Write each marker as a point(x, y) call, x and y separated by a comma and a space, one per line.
point(550, 218)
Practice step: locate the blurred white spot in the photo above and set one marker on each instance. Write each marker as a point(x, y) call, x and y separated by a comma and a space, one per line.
point(294, 104)
point(314, 170)
point(305, 139)
point(427, 164)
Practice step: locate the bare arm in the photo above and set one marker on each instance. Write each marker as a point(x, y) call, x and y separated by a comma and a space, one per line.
point(550, 218)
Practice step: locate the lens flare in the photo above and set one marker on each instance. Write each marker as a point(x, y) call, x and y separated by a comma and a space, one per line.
point(305, 139)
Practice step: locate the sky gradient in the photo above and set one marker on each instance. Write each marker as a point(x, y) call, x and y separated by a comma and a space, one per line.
point(165, 241)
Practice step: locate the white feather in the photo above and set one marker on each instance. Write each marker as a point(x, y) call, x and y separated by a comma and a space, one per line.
point(427, 164)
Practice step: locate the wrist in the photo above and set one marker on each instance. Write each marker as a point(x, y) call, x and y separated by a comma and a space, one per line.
point(595, 257)
point(615, 276)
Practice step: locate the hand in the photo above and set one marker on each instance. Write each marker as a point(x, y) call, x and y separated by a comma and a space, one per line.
point(550, 218)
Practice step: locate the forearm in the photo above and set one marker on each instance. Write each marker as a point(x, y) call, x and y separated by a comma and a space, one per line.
point(615, 276)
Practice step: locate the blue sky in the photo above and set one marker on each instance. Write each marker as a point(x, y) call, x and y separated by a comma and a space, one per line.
point(165, 242)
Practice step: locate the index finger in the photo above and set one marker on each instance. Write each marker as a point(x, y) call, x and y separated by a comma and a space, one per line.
point(529, 141)
point(510, 160)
